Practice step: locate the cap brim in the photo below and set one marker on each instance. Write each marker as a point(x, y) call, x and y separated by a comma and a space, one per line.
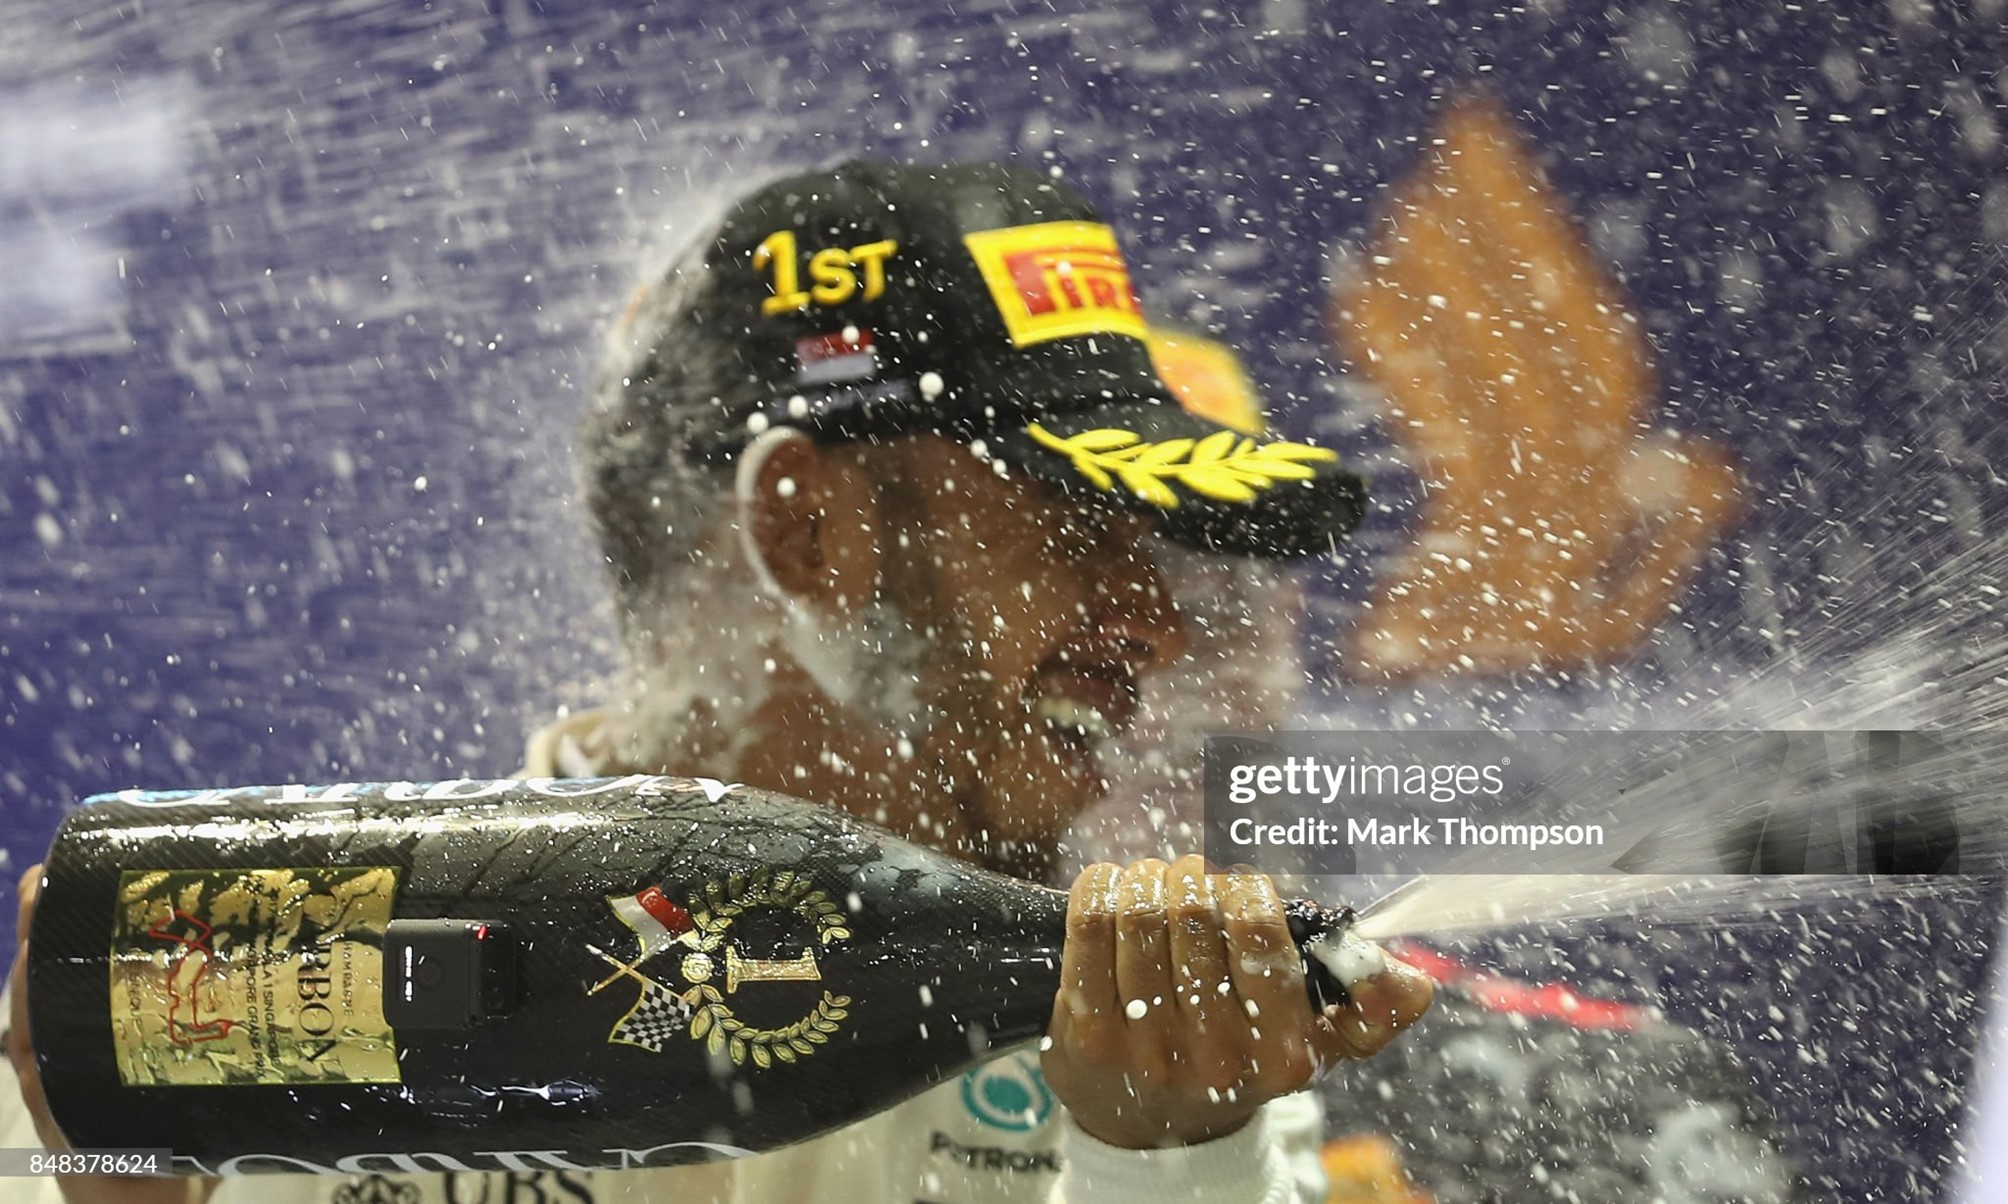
point(1205, 485)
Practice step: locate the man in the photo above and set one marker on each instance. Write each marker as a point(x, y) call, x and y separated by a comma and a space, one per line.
point(875, 478)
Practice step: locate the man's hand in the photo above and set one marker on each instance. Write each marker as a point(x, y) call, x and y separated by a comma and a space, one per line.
point(1182, 1007)
point(77, 1189)
point(19, 1052)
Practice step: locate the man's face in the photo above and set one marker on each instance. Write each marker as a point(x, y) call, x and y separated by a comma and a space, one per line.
point(1043, 617)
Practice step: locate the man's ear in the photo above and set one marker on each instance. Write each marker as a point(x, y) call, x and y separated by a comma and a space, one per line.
point(809, 515)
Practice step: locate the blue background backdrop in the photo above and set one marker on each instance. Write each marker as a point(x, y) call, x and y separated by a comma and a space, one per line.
point(300, 303)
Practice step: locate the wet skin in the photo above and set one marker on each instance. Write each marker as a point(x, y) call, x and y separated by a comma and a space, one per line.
point(1184, 1008)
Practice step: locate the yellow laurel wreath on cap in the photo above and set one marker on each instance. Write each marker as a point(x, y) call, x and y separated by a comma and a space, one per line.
point(1225, 466)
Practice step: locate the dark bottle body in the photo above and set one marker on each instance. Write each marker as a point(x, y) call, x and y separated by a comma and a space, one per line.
point(646, 971)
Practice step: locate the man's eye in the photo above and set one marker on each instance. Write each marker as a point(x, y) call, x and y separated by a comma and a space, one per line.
point(1091, 528)
point(1076, 539)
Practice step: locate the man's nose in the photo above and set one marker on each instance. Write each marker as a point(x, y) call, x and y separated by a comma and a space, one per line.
point(1133, 603)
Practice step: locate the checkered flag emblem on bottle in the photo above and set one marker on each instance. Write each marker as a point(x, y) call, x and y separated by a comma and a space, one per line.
point(657, 1016)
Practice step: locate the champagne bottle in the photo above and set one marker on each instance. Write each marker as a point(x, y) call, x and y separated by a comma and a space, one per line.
point(517, 975)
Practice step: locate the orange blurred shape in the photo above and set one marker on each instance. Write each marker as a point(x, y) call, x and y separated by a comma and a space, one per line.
point(1557, 528)
point(1206, 378)
point(1367, 1169)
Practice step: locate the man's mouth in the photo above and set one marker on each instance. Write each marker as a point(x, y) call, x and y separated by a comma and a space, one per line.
point(1074, 719)
point(1081, 706)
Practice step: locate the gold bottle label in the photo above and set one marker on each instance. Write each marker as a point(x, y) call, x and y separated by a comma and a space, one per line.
point(231, 976)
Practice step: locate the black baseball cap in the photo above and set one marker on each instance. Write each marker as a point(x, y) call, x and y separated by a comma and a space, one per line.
point(986, 303)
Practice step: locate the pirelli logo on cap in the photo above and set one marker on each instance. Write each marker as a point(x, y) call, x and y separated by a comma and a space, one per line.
point(1057, 280)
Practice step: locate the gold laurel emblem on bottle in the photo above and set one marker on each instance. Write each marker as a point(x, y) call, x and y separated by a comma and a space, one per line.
point(714, 1021)
point(1224, 466)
